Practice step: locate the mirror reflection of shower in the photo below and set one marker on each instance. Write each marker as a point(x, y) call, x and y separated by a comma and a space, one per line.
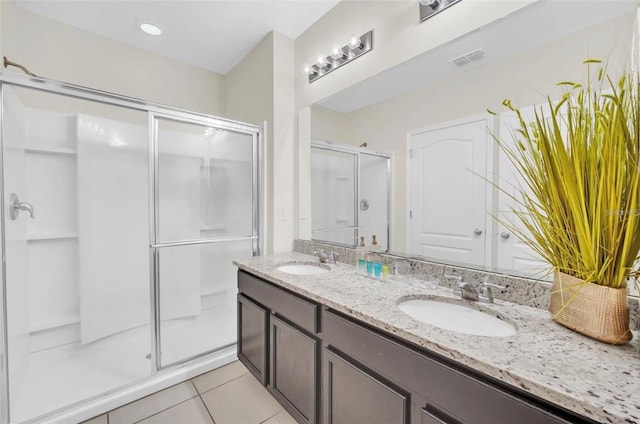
point(350, 194)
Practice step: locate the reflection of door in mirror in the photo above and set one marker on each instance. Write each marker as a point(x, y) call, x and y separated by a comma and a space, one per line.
point(511, 251)
point(448, 194)
point(350, 195)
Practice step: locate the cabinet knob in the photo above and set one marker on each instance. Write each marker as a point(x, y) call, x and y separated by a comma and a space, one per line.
point(504, 235)
point(477, 232)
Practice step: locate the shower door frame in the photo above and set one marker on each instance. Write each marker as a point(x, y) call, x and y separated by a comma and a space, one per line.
point(154, 225)
point(154, 111)
point(326, 145)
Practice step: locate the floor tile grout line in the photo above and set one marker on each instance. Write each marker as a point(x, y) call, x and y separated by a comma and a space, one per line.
point(207, 408)
point(217, 387)
point(262, 422)
point(166, 409)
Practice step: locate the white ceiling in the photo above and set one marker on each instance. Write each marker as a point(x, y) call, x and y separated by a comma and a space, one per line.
point(534, 25)
point(212, 34)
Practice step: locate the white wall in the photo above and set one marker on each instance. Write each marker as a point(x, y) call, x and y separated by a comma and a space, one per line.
point(526, 78)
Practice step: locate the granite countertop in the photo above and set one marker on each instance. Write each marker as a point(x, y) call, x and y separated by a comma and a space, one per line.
point(593, 379)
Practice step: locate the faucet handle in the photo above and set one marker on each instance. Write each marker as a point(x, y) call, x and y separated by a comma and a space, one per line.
point(322, 256)
point(487, 285)
point(487, 295)
point(453, 277)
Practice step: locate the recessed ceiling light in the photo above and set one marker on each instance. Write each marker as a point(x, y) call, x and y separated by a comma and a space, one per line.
point(150, 29)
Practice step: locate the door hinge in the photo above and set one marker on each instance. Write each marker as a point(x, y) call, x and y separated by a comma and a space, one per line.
point(410, 214)
point(410, 153)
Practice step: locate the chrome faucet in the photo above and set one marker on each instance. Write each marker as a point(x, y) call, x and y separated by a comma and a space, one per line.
point(325, 257)
point(480, 293)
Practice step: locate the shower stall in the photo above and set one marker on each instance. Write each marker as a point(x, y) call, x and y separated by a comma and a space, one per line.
point(350, 194)
point(120, 221)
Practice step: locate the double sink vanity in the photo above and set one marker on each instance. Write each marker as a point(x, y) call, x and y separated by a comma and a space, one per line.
point(334, 346)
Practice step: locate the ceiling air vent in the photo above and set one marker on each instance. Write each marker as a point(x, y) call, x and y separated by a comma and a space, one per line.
point(466, 59)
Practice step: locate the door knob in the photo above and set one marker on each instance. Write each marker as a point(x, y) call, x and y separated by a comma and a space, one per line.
point(504, 235)
point(477, 232)
point(15, 206)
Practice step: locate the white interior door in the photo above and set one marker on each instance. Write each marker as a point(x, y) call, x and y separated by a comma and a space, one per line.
point(448, 194)
point(511, 252)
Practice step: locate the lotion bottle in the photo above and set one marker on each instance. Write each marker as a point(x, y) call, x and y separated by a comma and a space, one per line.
point(361, 256)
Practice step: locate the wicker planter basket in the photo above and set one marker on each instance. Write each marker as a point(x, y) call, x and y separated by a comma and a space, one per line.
point(599, 312)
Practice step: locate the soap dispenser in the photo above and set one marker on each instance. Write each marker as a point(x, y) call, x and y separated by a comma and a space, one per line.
point(375, 247)
point(361, 256)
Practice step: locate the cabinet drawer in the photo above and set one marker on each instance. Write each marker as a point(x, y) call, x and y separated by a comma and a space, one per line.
point(303, 313)
point(462, 397)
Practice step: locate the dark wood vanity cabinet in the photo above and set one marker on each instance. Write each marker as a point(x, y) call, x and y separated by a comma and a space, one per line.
point(287, 325)
point(368, 376)
point(438, 390)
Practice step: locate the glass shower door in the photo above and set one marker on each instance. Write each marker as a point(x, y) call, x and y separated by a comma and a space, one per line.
point(205, 217)
point(334, 182)
point(76, 244)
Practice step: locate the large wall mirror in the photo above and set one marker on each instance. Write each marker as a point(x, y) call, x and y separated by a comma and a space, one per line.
point(431, 114)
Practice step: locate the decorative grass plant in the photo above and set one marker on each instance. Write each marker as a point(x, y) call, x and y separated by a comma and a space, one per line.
point(579, 164)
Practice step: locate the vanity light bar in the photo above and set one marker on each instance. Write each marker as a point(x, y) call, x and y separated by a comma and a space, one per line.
point(356, 47)
point(428, 8)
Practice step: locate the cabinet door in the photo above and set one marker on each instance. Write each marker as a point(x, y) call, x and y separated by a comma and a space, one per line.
point(294, 370)
point(353, 395)
point(253, 332)
point(428, 417)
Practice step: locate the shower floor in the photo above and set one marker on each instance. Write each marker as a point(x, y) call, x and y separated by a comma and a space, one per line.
point(58, 377)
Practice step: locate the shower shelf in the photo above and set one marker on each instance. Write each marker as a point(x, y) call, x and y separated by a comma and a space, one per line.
point(50, 149)
point(52, 236)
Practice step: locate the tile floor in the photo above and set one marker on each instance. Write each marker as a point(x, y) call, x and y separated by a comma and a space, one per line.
point(227, 395)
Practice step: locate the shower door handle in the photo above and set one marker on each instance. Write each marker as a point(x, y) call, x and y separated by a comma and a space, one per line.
point(15, 206)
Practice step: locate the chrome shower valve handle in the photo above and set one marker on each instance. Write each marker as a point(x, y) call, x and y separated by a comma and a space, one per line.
point(15, 206)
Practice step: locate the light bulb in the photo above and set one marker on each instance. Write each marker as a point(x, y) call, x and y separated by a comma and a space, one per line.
point(309, 70)
point(150, 29)
point(322, 61)
point(431, 3)
point(337, 52)
point(354, 42)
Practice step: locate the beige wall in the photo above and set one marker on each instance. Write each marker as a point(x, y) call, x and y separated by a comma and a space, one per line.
point(526, 78)
point(259, 89)
point(61, 52)
point(397, 33)
point(329, 125)
point(283, 144)
point(249, 98)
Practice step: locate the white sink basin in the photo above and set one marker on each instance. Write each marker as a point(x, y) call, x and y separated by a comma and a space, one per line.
point(302, 269)
point(457, 318)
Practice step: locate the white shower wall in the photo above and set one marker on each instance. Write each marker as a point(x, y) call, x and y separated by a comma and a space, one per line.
point(113, 226)
point(374, 187)
point(333, 188)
